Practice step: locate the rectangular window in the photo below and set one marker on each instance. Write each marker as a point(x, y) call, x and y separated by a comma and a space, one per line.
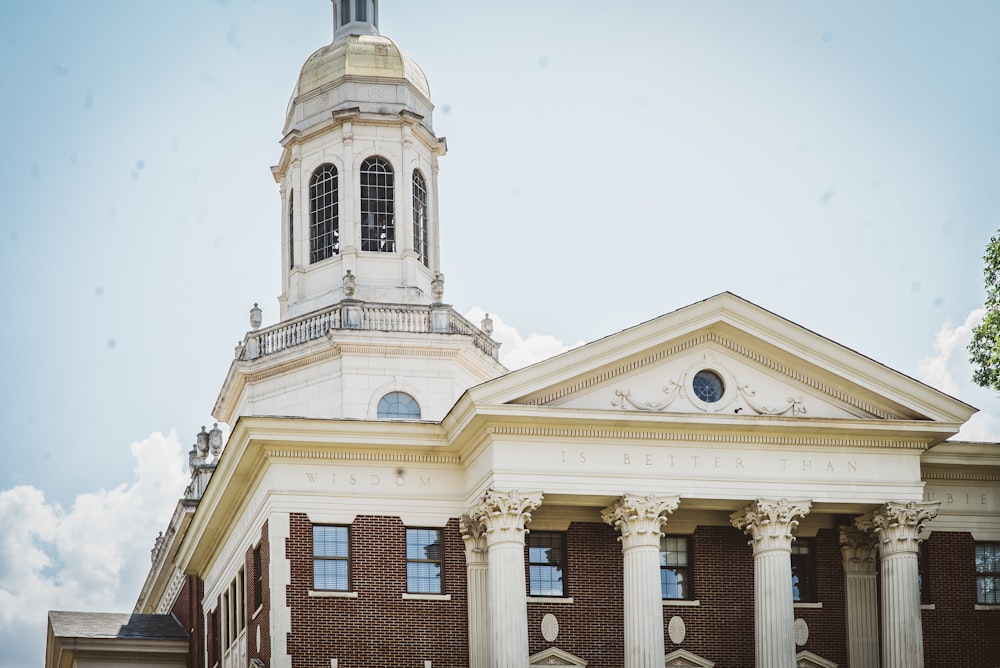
point(424, 553)
point(923, 579)
point(330, 558)
point(345, 12)
point(988, 573)
point(258, 579)
point(675, 567)
point(804, 570)
point(546, 563)
point(360, 10)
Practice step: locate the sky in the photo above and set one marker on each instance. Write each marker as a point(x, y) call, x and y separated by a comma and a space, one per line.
point(835, 163)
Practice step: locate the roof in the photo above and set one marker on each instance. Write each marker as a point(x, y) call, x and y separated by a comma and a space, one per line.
point(115, 625)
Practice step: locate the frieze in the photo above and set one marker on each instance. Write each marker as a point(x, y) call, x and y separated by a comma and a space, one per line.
point(369, 479)
point(728, 438)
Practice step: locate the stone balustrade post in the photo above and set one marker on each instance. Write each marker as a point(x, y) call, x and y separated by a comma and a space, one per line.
point(896, 527)
point(503, 516)
point(861, 590)
point(639, 519)
point(770, 524)
point(477, 583)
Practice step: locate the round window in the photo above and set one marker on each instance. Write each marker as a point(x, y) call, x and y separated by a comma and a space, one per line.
point(708, 386)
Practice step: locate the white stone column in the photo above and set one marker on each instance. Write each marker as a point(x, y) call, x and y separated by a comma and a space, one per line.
point(639, 519)
point(477, 572)
point(861, 590)
point(770, 524)
point(896, 525)
point(503, 516)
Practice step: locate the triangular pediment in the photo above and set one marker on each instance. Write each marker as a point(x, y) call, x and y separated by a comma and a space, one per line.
point(554, 656)
point(765, 364)
point(682, 658)
point(809, 660)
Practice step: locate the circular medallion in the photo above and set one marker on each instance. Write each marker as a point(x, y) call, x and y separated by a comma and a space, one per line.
point(801, 632)
point(550, 627)
point(375, 93)
point(676, 630)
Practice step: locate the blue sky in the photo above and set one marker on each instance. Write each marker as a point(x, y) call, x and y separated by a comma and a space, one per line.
point(835, 163)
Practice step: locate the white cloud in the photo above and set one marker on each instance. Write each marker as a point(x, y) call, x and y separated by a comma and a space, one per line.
point(949, 370)
point(516, 351)
point(93, 557)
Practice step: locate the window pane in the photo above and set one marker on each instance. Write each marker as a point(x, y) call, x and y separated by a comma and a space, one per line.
point(673, 583)
point(378, 222)
point(424, 554)
point(546, 558)
point(803, 571)
point(345, 12)
point(360, 11)
point(330, 574)
point(324, 216)
point(423, 577)
point(398, 405)
point(330, 541)
point(420, 243)
point(988, 573)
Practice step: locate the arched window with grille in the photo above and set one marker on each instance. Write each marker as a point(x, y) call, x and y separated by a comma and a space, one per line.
point(378, 219)
point(291, 229)
point(398, 405)
point(324, 218)
point(420, 216)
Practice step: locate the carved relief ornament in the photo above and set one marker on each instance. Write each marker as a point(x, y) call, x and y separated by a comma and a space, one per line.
point(898, 525)
point(793, 406)
point(474, 536)
point(504, 514)
point(640, 518)
point(770, 523)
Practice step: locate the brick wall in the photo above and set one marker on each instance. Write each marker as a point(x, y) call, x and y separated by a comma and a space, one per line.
point(955, 633)
point(377, 629)
point(261, 624)
point(187, 610)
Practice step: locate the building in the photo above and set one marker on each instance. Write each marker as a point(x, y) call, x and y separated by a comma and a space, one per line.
point(390, 495)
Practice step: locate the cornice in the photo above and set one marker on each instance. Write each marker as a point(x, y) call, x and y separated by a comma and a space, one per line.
point(689, 437)
point(729, 344)
point(360, 456)
point(970, 476)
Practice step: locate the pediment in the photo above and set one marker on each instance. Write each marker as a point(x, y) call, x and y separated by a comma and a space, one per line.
point(767, 365)
point(554, 656)
point(681, 658)
point(809, 660)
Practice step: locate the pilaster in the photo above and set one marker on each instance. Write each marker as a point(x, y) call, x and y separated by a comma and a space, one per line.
point(859, 552)
point(503, 516)
point(477, 573)
point(770, 524)
point(897, 527)
point(639, 519)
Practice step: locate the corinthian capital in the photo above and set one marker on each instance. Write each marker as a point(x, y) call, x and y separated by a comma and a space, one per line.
point(474, 536)
point(858, 548)
point(897, 525)
point(504, 514)
point(770, 523)
point(640, 518)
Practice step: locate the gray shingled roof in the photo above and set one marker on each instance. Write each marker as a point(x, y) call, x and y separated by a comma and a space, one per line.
point(115, 625)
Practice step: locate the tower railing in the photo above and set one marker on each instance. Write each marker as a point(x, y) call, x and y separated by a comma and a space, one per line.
point(348, 315)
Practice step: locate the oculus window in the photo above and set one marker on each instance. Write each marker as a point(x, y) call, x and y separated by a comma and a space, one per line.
point(331, 562)
point(708, 386)
point(988, 573)
point(378, 217)
point(675, 567)
point(398, 405)
point(546, 563)
point(420, 216)
point(804, 570)
point(424, 554)
point(324, 214)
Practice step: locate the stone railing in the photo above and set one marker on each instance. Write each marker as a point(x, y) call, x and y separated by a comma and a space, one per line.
point(411, 318)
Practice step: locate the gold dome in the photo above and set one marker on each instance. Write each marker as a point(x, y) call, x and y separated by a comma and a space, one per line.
point(361, 56)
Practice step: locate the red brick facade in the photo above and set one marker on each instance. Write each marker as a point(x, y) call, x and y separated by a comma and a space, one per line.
point(380, 628)
point(259, 624)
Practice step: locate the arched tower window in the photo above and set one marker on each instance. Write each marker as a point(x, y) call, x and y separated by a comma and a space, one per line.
point(398, 405)
point(420, 215)
point(378, 220)
point(291, 229)
point(324, 218)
